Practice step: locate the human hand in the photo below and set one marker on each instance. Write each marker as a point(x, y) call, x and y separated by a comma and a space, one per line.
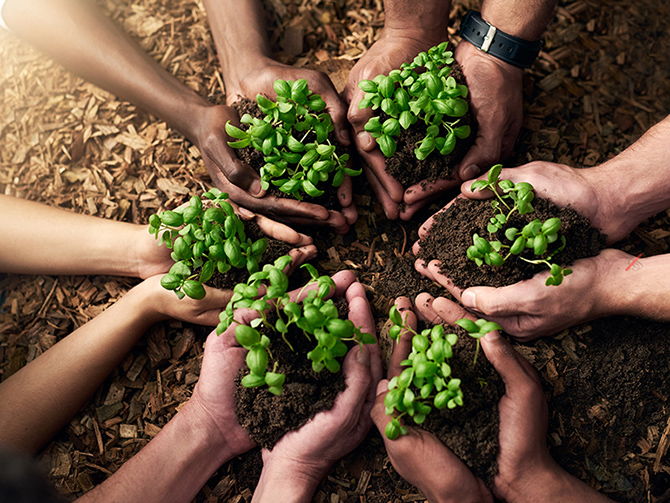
point(298, 462)
point(523, 456)
point(530, 309)
point(416, 455)
point(152, 258)
point(581, 189)
point(389, 52)
point(259, 79)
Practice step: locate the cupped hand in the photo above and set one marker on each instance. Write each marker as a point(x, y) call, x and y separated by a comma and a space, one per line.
point(530, 309)
point(303, 457)
point(213, 398)
point(260, 80)
point(496, 98)
point(567, 187)
point(389, 52)
point(242, 183)
point(419, 457)
point(523, 459)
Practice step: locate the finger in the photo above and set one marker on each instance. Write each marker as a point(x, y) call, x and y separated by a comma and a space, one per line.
point(425, 190)
point(299, 256)
point(361, 316)
point(434, 269)
point(421, 267)
point(403, 345)
point(358, 382)
point(338, 222)
point(358, 118)
point(359, 308)
point(424, 307)
point(279, 208)
point(343, 280)
point(466, 190)
point(449, 311)
point(335, 106)
point(378, 412)
point(507, 362)
point(388, 204)
point(212, 304)
point(485, 152)
point(376, 162)
point(504, 301)
point(408, 210)
point(277, 230)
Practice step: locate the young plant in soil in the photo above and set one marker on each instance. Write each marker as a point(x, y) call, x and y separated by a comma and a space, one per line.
point(204, 241)
point(424, 92)
point(427, 381)
point(536, 235)
point(293, 137)
point(316, 317)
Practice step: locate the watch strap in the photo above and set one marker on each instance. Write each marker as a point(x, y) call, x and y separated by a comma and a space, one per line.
point(508, 48)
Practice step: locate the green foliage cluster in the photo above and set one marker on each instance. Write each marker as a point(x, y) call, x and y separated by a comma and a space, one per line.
point(205, 239)
point(426, 382)
point(317, 317)
point(293, 137)
point(421, 90)
point(536, 235)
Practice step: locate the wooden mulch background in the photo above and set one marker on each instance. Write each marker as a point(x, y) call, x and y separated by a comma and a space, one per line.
point(601, 81)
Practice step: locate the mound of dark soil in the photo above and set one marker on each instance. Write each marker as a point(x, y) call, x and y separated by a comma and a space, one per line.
point(452, 231)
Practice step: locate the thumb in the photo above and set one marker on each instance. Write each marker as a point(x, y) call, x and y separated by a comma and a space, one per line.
point(490, 301)
point(515, 371)
point(481, 156)
point(357, 378)
point(378, 412)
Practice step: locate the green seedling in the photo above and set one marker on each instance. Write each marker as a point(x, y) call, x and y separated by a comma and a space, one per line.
point(537, 236)
point(316, 317)
point(203, 241)
point(477, 329)
point(293, 137)
point(426, 381)
point(422, 90)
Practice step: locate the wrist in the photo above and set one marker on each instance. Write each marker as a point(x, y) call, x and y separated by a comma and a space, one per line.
point(286, 481)
point(468, 53)
point(540, 485)
point(518, 18)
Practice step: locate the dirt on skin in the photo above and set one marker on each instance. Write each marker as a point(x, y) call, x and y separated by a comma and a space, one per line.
point(408, 170)
point(267, 417)
point(254, 158)
point(452, 231)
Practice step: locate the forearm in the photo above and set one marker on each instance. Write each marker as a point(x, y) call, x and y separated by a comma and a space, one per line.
point(552, 486)
point(526, 19)
point(82, 39)
point(239, 33)
point(172, 468)
point(43, 396)
point(425, 19)
point(41, 239)
point(283, 484)
point(635, 185)
point(641, 289)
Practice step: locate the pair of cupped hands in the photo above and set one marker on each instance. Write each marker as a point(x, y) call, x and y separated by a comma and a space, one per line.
point(495, 94)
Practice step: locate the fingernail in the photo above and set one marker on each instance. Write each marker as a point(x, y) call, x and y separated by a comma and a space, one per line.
point(255, 189)
point(364, 140)
point(470, 172)
point(344, 136)
point(363, 356)
point(245, 212)
point(468, 299)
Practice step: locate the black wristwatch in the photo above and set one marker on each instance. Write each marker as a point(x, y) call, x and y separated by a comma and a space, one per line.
point(487, 38)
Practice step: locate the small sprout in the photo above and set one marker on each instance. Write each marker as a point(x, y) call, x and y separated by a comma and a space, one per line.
point(422, 90)
point(540, 237)
point(477, 329)
point(204, 241)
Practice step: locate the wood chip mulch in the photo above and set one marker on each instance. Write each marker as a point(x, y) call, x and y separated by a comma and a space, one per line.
point(600, 82)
